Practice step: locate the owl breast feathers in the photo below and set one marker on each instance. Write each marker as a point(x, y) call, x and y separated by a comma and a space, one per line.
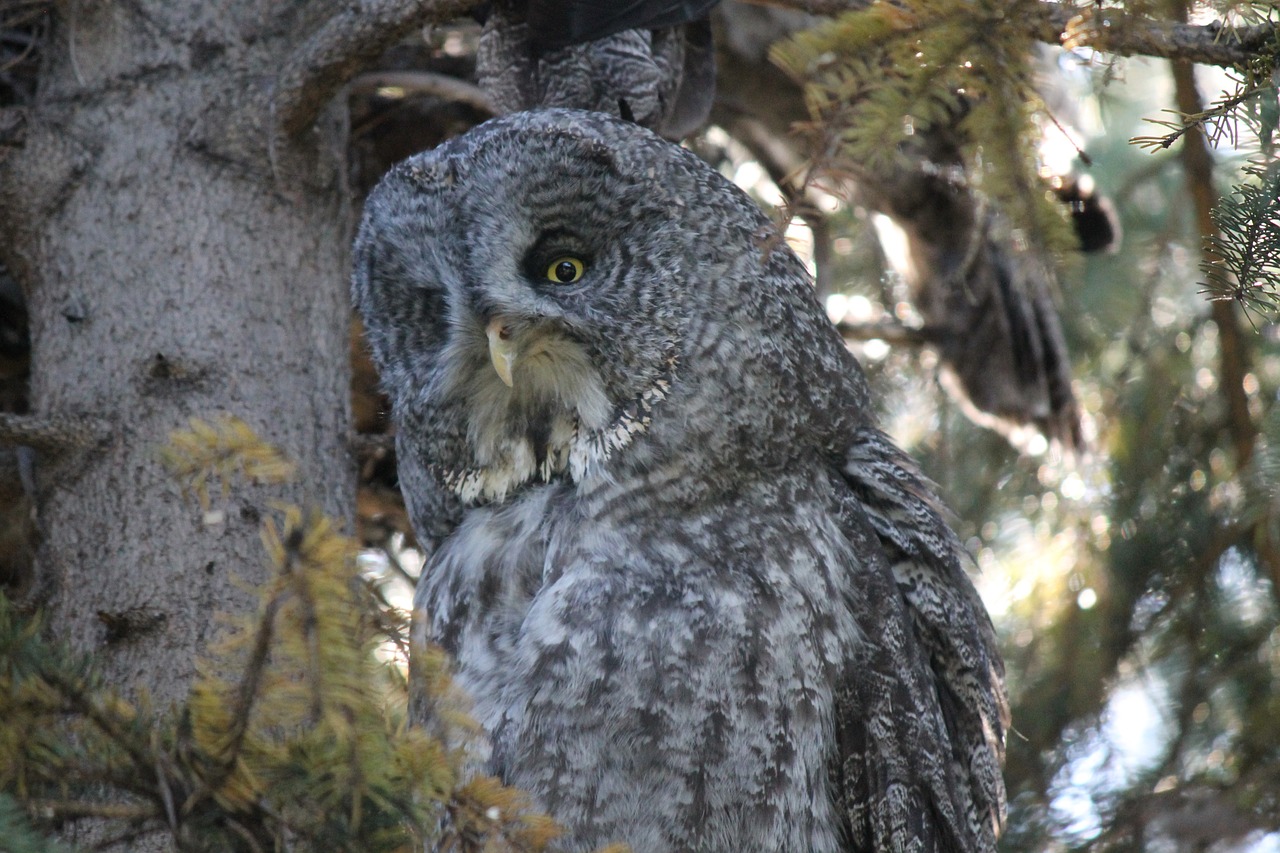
point(699, 600)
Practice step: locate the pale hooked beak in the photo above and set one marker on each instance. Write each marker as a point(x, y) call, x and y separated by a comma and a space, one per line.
point(502, 350)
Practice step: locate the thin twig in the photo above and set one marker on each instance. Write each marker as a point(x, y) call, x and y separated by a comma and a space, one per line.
point(295, 570)
point(425, 83)
point(82, 701)
point(894, 334)
point(80, 808)
point(246, 693)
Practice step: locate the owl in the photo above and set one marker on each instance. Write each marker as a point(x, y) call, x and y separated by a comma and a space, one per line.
point(699, 601)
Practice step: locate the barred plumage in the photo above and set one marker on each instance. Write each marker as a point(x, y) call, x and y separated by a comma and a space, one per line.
point(651, 62)
point(739, 621)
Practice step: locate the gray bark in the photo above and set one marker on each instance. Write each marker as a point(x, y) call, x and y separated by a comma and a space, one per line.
point(176, 265)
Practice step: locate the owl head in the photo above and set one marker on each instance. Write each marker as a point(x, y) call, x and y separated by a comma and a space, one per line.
point(537, 291)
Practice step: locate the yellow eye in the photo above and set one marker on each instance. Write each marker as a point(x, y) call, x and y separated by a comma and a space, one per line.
point(565, 270)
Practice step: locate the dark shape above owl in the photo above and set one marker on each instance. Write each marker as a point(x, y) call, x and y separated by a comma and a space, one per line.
point(651, 62)
point(560, 23)
point(699, 600)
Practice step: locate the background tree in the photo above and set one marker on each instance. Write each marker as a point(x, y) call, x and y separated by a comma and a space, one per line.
point(173, 186)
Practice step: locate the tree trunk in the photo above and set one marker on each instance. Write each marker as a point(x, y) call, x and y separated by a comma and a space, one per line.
point(175, 266)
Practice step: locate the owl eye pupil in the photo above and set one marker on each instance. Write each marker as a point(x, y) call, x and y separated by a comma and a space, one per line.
point(565, 270)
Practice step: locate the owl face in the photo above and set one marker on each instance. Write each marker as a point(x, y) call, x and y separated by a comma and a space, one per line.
point(529, 318)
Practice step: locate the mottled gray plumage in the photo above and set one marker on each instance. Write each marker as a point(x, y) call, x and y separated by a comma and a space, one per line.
point(650, 62)
point(699, 600)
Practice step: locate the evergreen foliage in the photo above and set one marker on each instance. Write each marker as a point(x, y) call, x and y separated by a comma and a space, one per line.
point(877, 78)
point(16, 833)
point(295, 734)
point(1243, 259)
point(1241, 262)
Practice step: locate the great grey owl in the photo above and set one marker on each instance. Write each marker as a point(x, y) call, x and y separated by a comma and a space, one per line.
point(699, 600)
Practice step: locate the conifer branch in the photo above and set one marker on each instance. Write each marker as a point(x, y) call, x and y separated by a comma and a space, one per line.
point(1126, 34)
point(886, 84)
point(246, 693)
point(18, 833)
point(1242, 259)
point(220, 449)
point(1220, 121)
point(293, 729)
point(1112, 31)
point(78, 696)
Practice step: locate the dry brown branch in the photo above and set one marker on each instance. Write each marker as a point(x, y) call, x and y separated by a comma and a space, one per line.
point(342, 47)
point(1124, 34)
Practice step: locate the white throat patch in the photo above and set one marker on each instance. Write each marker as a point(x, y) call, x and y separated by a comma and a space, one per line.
point(578, 444)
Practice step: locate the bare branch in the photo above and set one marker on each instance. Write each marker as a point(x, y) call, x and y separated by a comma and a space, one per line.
point(53, 434)
point(426, 83)
point(1124, 34)
point(354, 37)
point(894, 334)
point(342, 47)
point(71, 809)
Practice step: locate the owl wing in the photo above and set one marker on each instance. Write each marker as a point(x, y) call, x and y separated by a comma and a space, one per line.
point(433, 510)
point(922, 718)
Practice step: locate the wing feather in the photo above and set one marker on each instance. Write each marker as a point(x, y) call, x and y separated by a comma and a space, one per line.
point(923, 733)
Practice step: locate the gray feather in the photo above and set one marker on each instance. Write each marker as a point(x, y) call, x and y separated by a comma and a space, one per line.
point(700, 602)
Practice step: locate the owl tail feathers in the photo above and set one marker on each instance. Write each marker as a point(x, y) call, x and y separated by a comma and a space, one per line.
point(985, 294)
point(944, 673)
point(898, 793)
point(1001, 347)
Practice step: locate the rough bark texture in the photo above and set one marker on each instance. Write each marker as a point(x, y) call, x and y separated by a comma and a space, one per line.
point(172, 271)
